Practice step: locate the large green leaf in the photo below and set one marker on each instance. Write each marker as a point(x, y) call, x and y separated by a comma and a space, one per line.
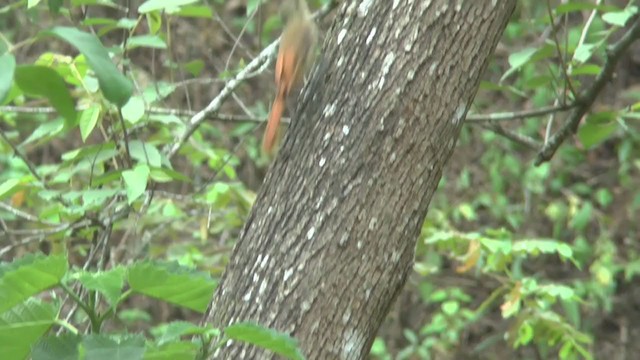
point(22, 326)
point(29, 276)
point(108, 283)
point(8, 64)
point(102, 347)
point(275, 341)
point(115, 86)
point(182, 350)
point(44, 81)
point(172, 283)
point(63, 347)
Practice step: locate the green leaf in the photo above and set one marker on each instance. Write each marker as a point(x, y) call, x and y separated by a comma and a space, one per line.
point(145, 153)
point(97, 197)
point(28, 276)
point(54, 6)
point(537, 246)
point(8, 64)
point(149, 41)
point(108, 283)
point(252, 6)
point(195, 11)
point(182, 350)
point(133, 110)
point(586, 69)
point(173, 284)
point(279, 343)
point(43, 81)
point(152, 5)
point(173, 331)
point(166, 175)
point(154, 19)
point(23, 325)
point(517, 60)
point(595, 131)
point(47, 129)
point(115, 86)
point(7, 187)
point(88, 120)
point(580, 220)
point(584, 52)
point(136, 181)
point(63, 347)
point(32, 3)
point(620, 18)
point(103, 347)
point(194, 67)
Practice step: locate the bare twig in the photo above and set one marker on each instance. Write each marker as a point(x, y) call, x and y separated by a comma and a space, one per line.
point(515, 115)
point(22, 157)
point(513, 136)
point(586, 98)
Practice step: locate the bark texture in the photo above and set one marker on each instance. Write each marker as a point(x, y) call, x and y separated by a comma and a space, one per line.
point(330, 240)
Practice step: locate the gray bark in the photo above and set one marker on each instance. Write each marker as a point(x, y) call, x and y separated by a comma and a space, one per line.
point(330, 241)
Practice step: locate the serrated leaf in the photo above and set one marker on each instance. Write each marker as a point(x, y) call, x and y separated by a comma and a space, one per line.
point(115, 86)
point(88, 121)
point(152, 5)
point(173, 284)
point(279, 343)
point(108, 283)
point(8, 64)
point(23, 325)
point(136, 181)
point(97, 197)
point(46, 82)
point(28, 276)
point(103, 347)
point(64, 347)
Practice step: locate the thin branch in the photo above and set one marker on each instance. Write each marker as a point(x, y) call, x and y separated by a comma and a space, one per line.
point(586, 99)
point(560, 55)
point(515, 115)
point(22, 157)
point(513, 136)
point(21, 214)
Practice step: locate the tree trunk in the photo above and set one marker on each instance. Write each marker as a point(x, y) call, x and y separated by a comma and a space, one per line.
point(331, 238)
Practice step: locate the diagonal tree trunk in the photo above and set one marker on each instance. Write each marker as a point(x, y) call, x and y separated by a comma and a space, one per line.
point(330, 240)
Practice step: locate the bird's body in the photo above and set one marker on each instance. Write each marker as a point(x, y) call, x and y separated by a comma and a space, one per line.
point(294, 57)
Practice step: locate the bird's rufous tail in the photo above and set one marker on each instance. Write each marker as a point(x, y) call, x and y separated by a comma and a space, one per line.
point(270, 133)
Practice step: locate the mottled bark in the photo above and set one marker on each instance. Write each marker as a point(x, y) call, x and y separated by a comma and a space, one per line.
point(330, 240)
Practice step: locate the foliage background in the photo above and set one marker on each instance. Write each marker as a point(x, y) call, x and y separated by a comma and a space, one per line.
point(515, 261)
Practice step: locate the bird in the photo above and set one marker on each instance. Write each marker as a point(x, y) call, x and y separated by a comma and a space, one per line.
point(295, 56)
